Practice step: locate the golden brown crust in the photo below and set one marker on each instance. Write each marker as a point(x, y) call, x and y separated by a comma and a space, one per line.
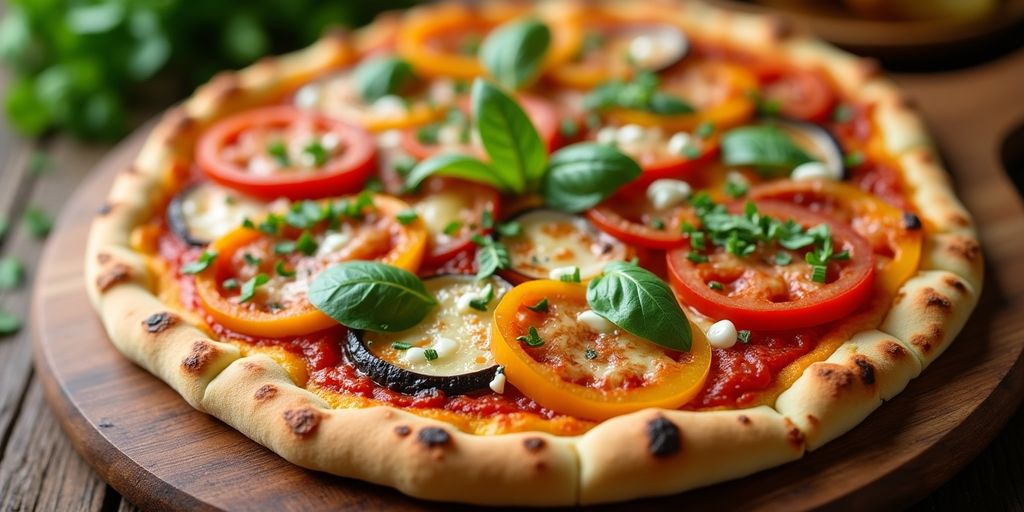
point(642, 454)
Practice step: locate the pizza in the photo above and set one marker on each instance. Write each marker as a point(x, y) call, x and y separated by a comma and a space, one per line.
point(539, 254)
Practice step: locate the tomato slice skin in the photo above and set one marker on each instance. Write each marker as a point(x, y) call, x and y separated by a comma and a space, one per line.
point(341, 175)
point(801, 93)
point(833, 300)
point(475, 200)
point(543, 384)
point(618, 217)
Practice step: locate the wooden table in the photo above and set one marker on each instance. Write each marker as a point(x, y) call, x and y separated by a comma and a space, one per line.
point(39, 470)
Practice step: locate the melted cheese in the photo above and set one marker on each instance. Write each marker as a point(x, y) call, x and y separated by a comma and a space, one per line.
point(462, 339)
point(211, 211)
point(551, 240)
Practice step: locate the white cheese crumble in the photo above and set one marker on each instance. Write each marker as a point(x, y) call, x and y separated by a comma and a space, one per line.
point(332, 243)
point(445, 346)
point(390, 139)
point(630, 134)
point(666, 193)
point(737, 178)
point(389, 106)
point(678, 143)
point(595, 322)
point(308, 96)
point(606, 135)
point(558, 273)
point(464, 301)
point(722, 334)
point(414, 355)
point(814, 171)
point(497, 384)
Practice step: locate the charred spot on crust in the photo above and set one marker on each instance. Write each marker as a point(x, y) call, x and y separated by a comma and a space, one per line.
point(966, 248)
point(793, 435)
point(911, 222)
point(265, 392)
point(745, 420)
point(894, 350)
point(663, 437)
point(865, 369)
point(158, 322)
point(403, 430)
point(434, 436)
point(836, 377)
point(534, 444)
point(302, 422)
point(103, 258)
point(934, 299)
point(929, 340)
point(813, 420)
point(117, 273)
point(782, 28)
point(198, 357)
point(955, 284)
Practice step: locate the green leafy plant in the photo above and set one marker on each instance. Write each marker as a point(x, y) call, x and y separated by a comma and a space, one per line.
point(372, 296)
point(640, 303)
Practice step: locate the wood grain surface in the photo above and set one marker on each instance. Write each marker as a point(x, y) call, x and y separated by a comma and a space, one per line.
point(161, 454)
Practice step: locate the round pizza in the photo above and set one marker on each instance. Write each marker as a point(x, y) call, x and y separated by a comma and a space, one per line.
point(539, 253)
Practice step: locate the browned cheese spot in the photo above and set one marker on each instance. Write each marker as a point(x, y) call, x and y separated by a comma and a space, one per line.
point(865, 369)
point(200, 355)
point(159, 322)
point(534, 444)
point(813, 420)
point(836, 378)
point(663, 437)
point(103, 258)
point(117, 273)
point(303, 421)
point(265, 392)
point(403, 430)
point(434, 437)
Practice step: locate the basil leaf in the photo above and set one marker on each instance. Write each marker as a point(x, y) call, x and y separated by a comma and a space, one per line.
point(371, 296)
point(383, 76)
point(509, 137)
point(456, 166)
point(491, 257)
point(11, 273)
point(763, 146)
point(513, 53)
point(668, 105)
point(640, 303)
point(582, 175)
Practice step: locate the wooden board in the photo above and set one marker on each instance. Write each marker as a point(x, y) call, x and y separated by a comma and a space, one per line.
point(161, 454)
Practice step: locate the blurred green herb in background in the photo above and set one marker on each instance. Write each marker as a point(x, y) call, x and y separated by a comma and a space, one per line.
point(81, 66)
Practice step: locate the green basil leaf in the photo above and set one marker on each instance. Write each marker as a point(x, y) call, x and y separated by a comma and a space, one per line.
point(491, 257)
point(371, 296)
point(513, 53)
point(382, 76)
point(582, 175)
point(668, 105)
point(509, 137)
point(9, 324)
point(640, 303)
point(762, 146)
point(456, 166)
point(11, 273)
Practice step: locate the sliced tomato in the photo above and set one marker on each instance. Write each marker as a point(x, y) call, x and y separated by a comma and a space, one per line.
point(338, 97)
point(442, 40)
point(279, 307)
point(579, 371)
point(630, 217)
point(800, 93)
point(453, 211)
point(541, 114)
point(239, 152)
point(895, 241)
point(756, 293)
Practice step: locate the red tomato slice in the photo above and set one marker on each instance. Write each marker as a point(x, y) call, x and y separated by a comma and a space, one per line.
point(239, 152)
point(757, 294)
point(800, 93)
point(630, 217)
point(452, 211)
point(540, 112)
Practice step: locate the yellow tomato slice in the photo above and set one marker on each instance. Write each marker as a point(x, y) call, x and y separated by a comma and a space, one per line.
point(583, 372)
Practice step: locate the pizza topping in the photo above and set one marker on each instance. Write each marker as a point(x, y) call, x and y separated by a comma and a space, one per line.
point(453, 211)
point(659, 47)
point(497, 384)
point(722, 334)
point(550, 241)
point(353, 293)
point(513, 53)
point(595, 322)
point(783, 146)
point(815, 171)
point(666, 193)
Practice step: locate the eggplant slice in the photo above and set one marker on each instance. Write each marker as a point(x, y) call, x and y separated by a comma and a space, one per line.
point(448, 351)
point(816, 141)
point(203, 212)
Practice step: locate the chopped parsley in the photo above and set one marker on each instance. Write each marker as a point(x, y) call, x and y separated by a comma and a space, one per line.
point(282, 271)
point(735, 189)
point(715, 285)
point(406, 217)
point(251, 260)
point(639, 94)
point(509, 228)
point(480, 303)
point(696, 257)
point(399, 345)
point(590, 354)
point(743, 336)
point(279, 152)
point(574, 277)
point(249, 288)
point(531, 339)
point(318, 154)
point(452, 228)
point(230, 284)
point(705, 129)
point(306, 245)
point(204, 261)
point(658, 224)
point(540, 307)
point(430, 354)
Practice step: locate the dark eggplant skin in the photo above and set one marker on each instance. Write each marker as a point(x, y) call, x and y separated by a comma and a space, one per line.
point(176, 218)
point(408, 382)
point(822, 136)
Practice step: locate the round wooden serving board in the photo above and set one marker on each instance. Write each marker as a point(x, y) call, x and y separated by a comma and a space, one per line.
point(161, 454)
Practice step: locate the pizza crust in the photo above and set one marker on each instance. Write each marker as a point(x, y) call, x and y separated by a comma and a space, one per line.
point(642, 454)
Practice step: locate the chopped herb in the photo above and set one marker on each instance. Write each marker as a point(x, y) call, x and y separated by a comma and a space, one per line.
point(569, 128)
point(819, 273)
point(271, 225)
point(696, 257)
point(287, 247)
point(9, 324)
point(783, 258)
point(248, 224)
point(460, 87)
point(590, 354)
point(404, 165)
point(399, 345)
point(251, 260)
point(282, 271)
point(249, 288)
point(230, 284)
point(317, 152)
point(480, 303)
point(305, 244)
point(429, 134)
point(279, 152)
point(38, 222)
point(509, 228)
point(658, 224)
point(430, 354)
point(691, 151)
point(532, 338)
point(406, 217)
point(705, 129)
point(735, 189)
point(487, 219)
point(491, 256)
point(743, 336)
point(540, 307)
point(841, 256)
point(11, 273)
point(452, 228)
point(843, 113)
point(374, 185)
point(715, 285)
point(571, 278)
point(204, 261)
point(853, 159)
point(640, 94)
